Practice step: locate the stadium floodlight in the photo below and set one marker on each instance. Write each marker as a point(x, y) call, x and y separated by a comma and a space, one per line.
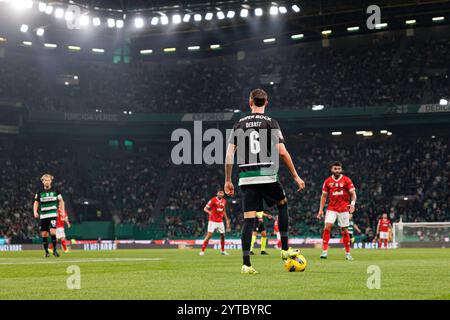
point(98, 50)
point(297, 36)
point(96, 22)
point(176, 19)
point(194, 48)
point(27, 43)
point(154, 21)
point(50, 45)
point(215, 46)
point(111, 23)
point(139, 22)
point(271, 83)
point(269, 40)
point(18, 4)
point(381, 25)
point(59, 13)
point(66, 83)
point(220, 15)
point(282, 10)
point(383, 131)
point(186, 18)
point(75, 77)
point(40, 32)
point(42, 6)
point(197, 17)
point(273, 10)
point(326, 32)
point(367, 134)
point(24, 28)
point(84, 21)
point(438, 19)
point(231, 14)
point(164, 20)
point(336, 133)
point(146, 52)
point(353, 29)
point(119, 24)
point(389, 133)
point(169, 50)
point(258, 12)
point(74, 48)
point(318, 107)
point(2, 39)
point(244, 13)
point(69, 15)
point(360, 132)
point(49, 9)
point(296, 8)
point(443, 102)
point(410, 22)
point(209, 16)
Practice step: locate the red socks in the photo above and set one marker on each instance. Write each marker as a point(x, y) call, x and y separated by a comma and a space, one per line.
point(326, 239)
point(205, 243)
point(385, 243)
point(346, 239)
point(222, 244)
point(63, 244)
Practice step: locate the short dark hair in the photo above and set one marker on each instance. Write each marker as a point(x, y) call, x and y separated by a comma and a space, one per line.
point(336, 164)
point(259, 97)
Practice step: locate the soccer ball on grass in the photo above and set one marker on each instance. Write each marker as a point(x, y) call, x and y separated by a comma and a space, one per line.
point(296, 264)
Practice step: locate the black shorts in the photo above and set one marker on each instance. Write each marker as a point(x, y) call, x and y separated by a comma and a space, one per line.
point(259, 226)
point(47, 224)
point(254, 195)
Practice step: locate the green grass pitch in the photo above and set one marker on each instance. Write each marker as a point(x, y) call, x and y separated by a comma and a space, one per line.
point(183, 274)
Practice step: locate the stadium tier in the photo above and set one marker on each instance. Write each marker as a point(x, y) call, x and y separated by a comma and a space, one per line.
point(405, 175)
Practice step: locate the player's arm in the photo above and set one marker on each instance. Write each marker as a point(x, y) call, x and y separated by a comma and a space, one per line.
point(227, 220)
point(269, 216)
point(229, 187)
point(61, 204)
point(287, 159)
point(66, 220)
point(207, 209)
point(323, 200)
point(36, 206)
point(357, 228)
point(378, 227)
point(352, 201)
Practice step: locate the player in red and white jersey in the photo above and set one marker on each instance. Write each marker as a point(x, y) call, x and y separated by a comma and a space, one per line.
point(216, 210)
point(340, 191)
point(383, 228)
point(62, 219)
point(277, 232)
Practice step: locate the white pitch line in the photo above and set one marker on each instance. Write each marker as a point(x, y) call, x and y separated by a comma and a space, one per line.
point(83, 261)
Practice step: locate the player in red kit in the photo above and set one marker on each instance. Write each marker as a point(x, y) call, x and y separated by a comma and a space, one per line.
point(62, 219)
point(340, 191)
point(383, 228)
point(216, 210)
point(277, 232)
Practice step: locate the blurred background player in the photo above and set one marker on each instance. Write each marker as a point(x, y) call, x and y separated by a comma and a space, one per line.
point(352, 226)
point(258, 172)
point(216, 211)
point(339, 189)
point(45, 207)
point(384, 226)
point(277, 232)
point(260, 228)
point(63, 218)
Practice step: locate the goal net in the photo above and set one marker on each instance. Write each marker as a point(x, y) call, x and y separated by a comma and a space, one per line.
point(418, 234)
